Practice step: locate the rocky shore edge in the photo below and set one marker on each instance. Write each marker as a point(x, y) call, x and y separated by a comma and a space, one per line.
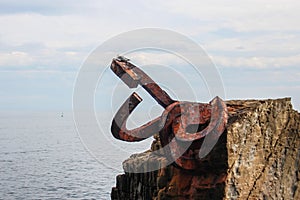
point(257, 157)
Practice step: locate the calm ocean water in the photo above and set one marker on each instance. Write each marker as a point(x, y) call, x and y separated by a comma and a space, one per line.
point(42, 157)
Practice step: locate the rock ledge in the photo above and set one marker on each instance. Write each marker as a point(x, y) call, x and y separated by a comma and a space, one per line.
point(257, 157)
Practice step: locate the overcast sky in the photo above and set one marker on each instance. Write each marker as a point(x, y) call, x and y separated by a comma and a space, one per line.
point(255, 44)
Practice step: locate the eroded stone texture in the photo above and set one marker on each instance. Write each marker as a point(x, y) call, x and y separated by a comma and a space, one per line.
point(257, 157)
point(263, 147)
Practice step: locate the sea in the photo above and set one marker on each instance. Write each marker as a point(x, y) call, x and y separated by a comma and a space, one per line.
point(42, 156)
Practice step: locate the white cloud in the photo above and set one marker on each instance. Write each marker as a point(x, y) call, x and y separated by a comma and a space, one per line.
point(15, 58)
point(80, 32)
point(257, 62)
point(265, 43)
point(46, 7)
point(54, 37)
point(249, 15)
point(156, 57)
point(53, 31)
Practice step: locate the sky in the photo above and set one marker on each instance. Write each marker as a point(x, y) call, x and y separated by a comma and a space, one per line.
point(43, 43)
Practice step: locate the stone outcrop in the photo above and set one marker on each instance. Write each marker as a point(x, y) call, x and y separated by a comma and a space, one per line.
point(257, 157)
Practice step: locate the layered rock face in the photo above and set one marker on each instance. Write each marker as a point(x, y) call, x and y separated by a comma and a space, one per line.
point(257, 157)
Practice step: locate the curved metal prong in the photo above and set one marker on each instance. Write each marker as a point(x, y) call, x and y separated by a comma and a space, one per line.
point(118, 127)
point(133, 76)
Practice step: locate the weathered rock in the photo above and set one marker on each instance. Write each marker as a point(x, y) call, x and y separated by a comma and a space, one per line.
point(257, 157)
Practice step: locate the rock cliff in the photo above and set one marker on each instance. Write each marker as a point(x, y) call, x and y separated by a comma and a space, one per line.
point(257, 157)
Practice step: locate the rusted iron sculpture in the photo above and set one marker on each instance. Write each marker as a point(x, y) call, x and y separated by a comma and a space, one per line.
point(181, 124)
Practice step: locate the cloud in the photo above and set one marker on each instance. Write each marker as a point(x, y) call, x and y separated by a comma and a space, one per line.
point(33, 41)
point(249, 15)
point(258, 62)
point(15, 58)
point(265, 43)
point(46, 7)
point(51, 31)
point(51, 38)
point(39, 57)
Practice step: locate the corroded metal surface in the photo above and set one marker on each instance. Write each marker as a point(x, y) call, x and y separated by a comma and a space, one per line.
point(182, 126)
point(132, 76)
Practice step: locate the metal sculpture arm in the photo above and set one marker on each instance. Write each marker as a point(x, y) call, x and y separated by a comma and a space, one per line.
point(118, 127)
point(187, 121)
point(132, 76)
